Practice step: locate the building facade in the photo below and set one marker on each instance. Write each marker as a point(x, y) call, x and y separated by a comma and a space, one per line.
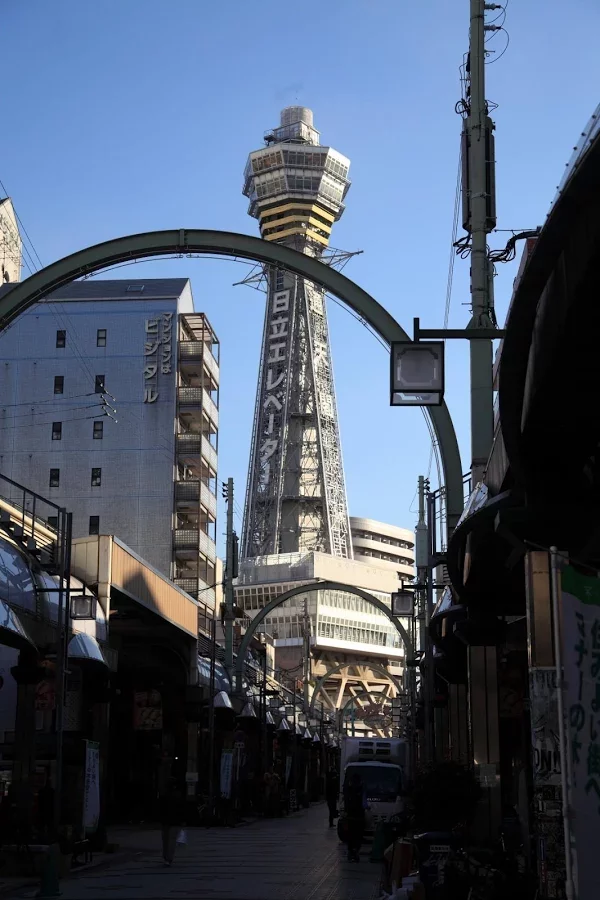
point(384, 546)
point(10, 244)
point(110, 407)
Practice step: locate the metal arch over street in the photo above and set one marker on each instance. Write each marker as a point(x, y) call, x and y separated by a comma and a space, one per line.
point(377, 667)
point(222, 243)
point(308, 589)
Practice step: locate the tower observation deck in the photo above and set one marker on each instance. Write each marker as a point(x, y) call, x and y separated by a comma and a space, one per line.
point(296, 496)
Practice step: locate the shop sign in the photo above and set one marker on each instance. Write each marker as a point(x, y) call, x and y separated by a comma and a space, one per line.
point(288, 768)
point(147, 711)
point(543, 688)
point(91, 796)
point(581, 655)
point(45, 696)
point(158, 352)
point(226, 773)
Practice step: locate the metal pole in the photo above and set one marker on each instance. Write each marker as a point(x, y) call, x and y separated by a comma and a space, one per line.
point(422, 564)
point(62, 646)
point(306, 660)
point(265, 733)
point(229, 617)
point(211, 718)
point(564, 748)
point(479, 189)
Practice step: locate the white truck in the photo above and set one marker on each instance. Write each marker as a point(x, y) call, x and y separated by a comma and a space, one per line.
point(382, 766)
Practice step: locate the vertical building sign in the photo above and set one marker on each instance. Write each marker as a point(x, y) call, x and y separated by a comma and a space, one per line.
point(274, 386)
point(158, 352)
point(91, 795)
point(581, 656)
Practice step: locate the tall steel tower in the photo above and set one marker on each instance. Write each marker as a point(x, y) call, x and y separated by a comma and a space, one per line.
point(296, 497)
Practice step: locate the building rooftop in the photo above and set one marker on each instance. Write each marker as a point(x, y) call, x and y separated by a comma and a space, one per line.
point(117, 289)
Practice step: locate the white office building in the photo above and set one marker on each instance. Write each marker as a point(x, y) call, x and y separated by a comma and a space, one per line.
point(109, 406)
point(384, 546)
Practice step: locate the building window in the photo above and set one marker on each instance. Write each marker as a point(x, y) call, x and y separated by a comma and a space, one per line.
point(61, 338)
point(99, 388)
point(101, 337)
point(96, 477)
point(54, 478)
point(94, 524)
point(57, 431)
point(59, 384)
point(52, 521)
point(98, 431)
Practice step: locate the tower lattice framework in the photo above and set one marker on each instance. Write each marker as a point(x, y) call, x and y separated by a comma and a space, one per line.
point(296, 496)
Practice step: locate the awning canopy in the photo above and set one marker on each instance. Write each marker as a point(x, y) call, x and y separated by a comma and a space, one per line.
point(85, 647)
point(248, 712)
point(12, 632)
point(222, 701)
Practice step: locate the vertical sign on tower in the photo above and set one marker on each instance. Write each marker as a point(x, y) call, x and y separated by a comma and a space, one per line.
point(278, 335)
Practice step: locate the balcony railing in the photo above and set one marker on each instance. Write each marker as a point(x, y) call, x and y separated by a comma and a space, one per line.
point(197, 350)
point(208, 499)
point(194, 444)
point(207, 546)
point(187, 490)
point(193, 539)
point(186, 539)
point(189, 585)
point(193, 489)
point(198, 398)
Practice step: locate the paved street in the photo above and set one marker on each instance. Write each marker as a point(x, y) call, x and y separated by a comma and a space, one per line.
point(296, 858)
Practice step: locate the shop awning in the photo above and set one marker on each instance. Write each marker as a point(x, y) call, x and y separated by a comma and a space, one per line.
point(85, 647)
point(12, 632)
point(248, 712)
point(222, 701)
point(221, 677)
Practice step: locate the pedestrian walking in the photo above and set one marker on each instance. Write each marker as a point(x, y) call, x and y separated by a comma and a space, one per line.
point(354, 807)
point(172, 815)
point(332, 790)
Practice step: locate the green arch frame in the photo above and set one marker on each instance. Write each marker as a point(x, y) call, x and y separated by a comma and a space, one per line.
point(346, 665)
point(186, 241)
point(308, 589)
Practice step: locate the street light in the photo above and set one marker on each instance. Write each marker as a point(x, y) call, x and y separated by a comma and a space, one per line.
point(417, 373)
point(403, 601)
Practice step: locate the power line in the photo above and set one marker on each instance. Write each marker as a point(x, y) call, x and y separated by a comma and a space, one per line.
point(49, 412)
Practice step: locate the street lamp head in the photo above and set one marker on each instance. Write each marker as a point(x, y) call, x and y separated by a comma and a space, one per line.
point(417, 373)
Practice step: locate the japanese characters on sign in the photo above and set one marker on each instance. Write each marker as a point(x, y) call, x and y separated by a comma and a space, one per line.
point(91, 789)
point(274, 386)
point(581, 636)
point(158, 352)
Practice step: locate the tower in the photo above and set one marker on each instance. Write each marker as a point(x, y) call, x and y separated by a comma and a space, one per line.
point(296, 496)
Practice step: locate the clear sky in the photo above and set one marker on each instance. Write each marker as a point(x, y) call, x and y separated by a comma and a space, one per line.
point(121, 116)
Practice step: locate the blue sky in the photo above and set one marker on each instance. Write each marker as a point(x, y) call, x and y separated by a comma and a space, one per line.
point(122, 116)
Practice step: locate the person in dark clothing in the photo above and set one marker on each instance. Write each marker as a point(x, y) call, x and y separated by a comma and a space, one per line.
point(172, 813)
point(354, 807)
point(332, 790)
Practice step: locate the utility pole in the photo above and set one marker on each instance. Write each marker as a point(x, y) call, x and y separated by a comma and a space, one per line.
point(306, 654)
point(422, 564)
point(230, 574)
point(480, 206)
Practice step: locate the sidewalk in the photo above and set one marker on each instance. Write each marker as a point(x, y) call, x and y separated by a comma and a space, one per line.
point(133, 841)
point(294, 858)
